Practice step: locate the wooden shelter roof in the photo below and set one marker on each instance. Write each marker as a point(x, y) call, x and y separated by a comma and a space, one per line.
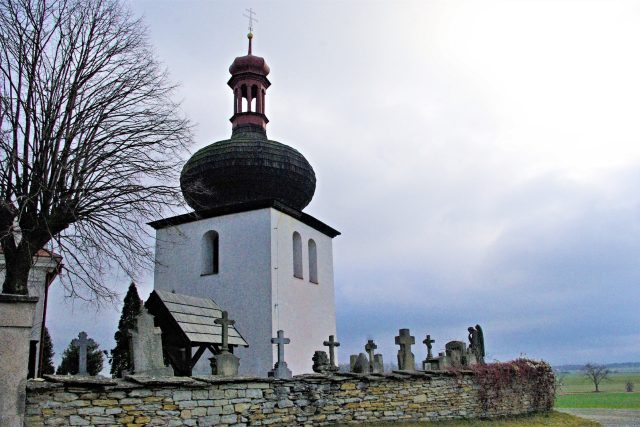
point(193, 317)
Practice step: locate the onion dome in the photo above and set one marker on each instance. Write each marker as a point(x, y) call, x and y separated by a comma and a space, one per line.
point(249, 63)
point(248, 166)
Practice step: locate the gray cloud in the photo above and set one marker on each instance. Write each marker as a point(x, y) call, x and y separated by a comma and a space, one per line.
point(481, 171)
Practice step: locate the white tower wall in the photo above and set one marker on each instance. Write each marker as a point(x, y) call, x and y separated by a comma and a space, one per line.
point(243, 284)
point(255, 282)
point(304, 310)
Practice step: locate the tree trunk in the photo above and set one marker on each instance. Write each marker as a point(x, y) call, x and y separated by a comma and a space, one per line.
point(17, 267)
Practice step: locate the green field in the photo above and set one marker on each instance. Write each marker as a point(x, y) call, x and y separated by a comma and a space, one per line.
point(577, 391)
point(607, 400)
point(575, 382)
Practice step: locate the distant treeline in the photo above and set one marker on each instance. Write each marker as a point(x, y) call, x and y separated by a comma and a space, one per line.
point(627, 365)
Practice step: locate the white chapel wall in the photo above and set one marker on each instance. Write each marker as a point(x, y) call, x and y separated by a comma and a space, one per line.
point(304, 310)
point(242, 285)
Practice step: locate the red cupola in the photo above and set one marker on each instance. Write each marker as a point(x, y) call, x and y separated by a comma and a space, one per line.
point(249, 84)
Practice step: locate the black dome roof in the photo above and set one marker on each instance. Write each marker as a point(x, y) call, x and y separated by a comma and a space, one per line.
point(247, 167)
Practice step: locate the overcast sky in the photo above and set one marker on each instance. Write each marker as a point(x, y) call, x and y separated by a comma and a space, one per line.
point(481, 159)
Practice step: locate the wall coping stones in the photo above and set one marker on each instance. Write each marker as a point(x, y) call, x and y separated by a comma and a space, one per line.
point(86, 381)
point(41, 385)
point(214, 379)
point(165, 381)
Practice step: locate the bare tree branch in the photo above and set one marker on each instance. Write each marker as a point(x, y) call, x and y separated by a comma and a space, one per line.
point(89, 139)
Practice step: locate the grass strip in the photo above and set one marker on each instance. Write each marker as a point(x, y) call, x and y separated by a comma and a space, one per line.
point(599, 400)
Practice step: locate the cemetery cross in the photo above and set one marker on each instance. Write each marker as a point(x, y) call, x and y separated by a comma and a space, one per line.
point(429, 342)
point(82, 343)
point(280, 341)
point(332, 343)
point(225, 322)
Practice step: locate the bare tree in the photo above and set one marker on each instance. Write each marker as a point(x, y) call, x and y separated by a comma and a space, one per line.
point(596, 373)
point(89, 139)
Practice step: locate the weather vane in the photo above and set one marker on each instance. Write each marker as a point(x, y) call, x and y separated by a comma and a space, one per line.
point(251, 18)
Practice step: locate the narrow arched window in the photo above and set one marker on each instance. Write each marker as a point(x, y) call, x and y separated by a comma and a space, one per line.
point(245, 93)
point(297, 255)
point(210, 252)
point(313, 261)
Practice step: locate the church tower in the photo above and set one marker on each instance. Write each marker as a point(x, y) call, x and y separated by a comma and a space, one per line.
point(247, 244)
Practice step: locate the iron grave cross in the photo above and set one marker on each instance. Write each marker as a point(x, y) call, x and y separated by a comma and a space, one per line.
point(428, 341)
point(82, 343)
point(225, 322)
point(332, 343)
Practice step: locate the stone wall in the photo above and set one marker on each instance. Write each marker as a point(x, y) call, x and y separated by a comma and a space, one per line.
point(308, 399)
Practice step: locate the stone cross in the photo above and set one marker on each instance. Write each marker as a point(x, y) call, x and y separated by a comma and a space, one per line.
point(82, 343)
point(280, 370)
point(369, 348)
point(280, 341)
point(406, 360)
point(428, 341)
point(331, 344)
point(225, 322)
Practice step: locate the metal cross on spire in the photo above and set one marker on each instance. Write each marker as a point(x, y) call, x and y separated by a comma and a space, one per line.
point(251, 18)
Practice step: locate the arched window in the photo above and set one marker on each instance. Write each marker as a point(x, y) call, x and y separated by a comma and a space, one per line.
point(244, 102)
point(210, 252)
point(313, 262)
point(297, 255)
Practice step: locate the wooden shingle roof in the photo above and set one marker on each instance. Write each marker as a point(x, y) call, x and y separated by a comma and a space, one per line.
point(193, 316)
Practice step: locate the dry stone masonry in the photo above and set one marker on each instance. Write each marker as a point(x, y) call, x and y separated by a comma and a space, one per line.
point(302, 400)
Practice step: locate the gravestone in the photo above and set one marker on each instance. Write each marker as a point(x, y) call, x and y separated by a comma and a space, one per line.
point(225, 364)
point(332, 343)
point(82, 343)
point(378, 364)
point(456, 353)
point(375, 360)
point(359, 364)
point(406, 359)
point(146, 347)
point(280, 369)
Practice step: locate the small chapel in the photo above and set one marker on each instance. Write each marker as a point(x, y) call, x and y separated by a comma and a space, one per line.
point(248, 245)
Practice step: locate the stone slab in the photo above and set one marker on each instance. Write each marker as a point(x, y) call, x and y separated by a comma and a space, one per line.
point(215, 379)
point(164, 381)
point(97, 381)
